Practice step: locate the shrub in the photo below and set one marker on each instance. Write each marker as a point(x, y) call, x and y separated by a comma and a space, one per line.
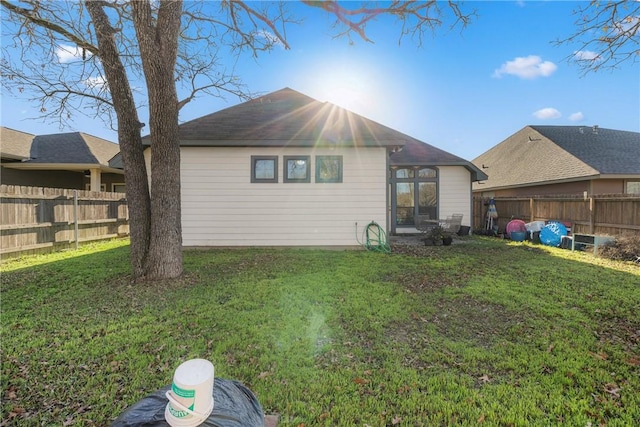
point(625, 248)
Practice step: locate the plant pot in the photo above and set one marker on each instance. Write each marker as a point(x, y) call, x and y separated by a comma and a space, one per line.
point(447, 240)
point(428, 242)
point(464, 230)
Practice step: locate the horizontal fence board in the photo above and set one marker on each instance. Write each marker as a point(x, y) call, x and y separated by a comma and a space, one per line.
point(25, 248)
point(39, 218)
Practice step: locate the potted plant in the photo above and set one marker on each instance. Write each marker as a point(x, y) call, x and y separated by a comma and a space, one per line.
point(436, 236)
point(447, 239)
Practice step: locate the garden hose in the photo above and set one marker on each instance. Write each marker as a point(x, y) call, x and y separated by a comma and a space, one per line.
point(375, 238)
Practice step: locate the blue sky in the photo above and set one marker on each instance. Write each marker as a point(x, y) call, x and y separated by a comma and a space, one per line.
point(463, 92)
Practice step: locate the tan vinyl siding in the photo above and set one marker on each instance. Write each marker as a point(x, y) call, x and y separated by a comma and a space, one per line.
point(455, 192)
point(222, 207)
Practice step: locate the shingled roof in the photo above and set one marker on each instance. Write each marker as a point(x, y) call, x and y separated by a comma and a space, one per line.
point(74, 148)
point(14, 144)
point(286, 118)
point(550, 154)
point(608, 151)
point(289, 118)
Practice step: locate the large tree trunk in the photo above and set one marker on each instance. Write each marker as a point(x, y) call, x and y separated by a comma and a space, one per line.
point(158, 42)
point(129, 138)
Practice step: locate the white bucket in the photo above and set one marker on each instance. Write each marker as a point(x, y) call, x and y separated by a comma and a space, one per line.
point(191, 394)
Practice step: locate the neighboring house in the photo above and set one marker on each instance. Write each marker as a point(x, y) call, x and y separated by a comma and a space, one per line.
point(562, 160)
point(65, 160)
point(287, 170)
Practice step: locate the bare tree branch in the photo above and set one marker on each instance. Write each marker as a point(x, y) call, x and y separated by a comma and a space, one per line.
point(607, 35)
point(269, 22)
point(416, 18)
point(32, 15)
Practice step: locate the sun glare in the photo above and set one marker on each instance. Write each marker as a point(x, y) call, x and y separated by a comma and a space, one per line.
point(345, 85)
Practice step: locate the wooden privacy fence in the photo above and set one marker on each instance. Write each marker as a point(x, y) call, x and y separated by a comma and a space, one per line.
point(606, 214)
point(35, 219)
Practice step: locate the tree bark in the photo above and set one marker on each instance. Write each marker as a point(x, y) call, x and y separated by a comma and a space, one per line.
point(158, 43)
point(129, 138)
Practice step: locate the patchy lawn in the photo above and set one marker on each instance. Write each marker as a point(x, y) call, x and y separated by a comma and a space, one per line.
point(486, 332)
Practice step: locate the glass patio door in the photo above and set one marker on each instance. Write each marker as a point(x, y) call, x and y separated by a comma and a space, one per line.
point(414, 192)
point(428, 200)
point(405, 203)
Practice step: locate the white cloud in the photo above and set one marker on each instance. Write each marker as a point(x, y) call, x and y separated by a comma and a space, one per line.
point(95, 82)
point(576, 117)
point(547, 113)
point(627, 25)
point(586, 55)
point(66, 53)
point(529, 67)
point(269, 37)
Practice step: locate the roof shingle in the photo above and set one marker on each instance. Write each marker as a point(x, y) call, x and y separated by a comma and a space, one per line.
point(286, 117)
point(15, 144)
point(289, 118)
point(544, 154)
point(608, 151)
point(74, 147)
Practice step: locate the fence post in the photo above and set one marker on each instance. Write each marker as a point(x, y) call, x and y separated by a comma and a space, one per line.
point(531, 210)
point(75, 216)
point(592, 213)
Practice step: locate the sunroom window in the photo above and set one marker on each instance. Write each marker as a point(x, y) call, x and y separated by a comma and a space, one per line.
point(415, 193)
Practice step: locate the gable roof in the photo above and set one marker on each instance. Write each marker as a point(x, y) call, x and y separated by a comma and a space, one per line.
point(286, 118)
point(550, 154)
point(289, 118)
point(14, 144)
point(69, 151)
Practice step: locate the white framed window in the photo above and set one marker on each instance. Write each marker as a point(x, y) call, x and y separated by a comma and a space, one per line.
point(632, 187)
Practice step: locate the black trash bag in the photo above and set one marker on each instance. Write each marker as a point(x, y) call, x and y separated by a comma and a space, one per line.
point(234, 406)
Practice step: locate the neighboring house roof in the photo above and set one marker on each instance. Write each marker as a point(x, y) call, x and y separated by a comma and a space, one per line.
point(75, 147)
point(15, 145)
point(68, 151)
point(606, 150)
point(551, 154)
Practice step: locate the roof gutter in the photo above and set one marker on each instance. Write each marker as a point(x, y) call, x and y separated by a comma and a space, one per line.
point(74, 167)
point(279, 143)
point(486, 187)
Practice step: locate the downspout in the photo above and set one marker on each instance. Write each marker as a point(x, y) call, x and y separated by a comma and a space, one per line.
point(471, 203)
point(387, 180)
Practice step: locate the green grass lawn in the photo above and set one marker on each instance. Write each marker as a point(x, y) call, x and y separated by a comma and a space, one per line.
point(483, 332)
